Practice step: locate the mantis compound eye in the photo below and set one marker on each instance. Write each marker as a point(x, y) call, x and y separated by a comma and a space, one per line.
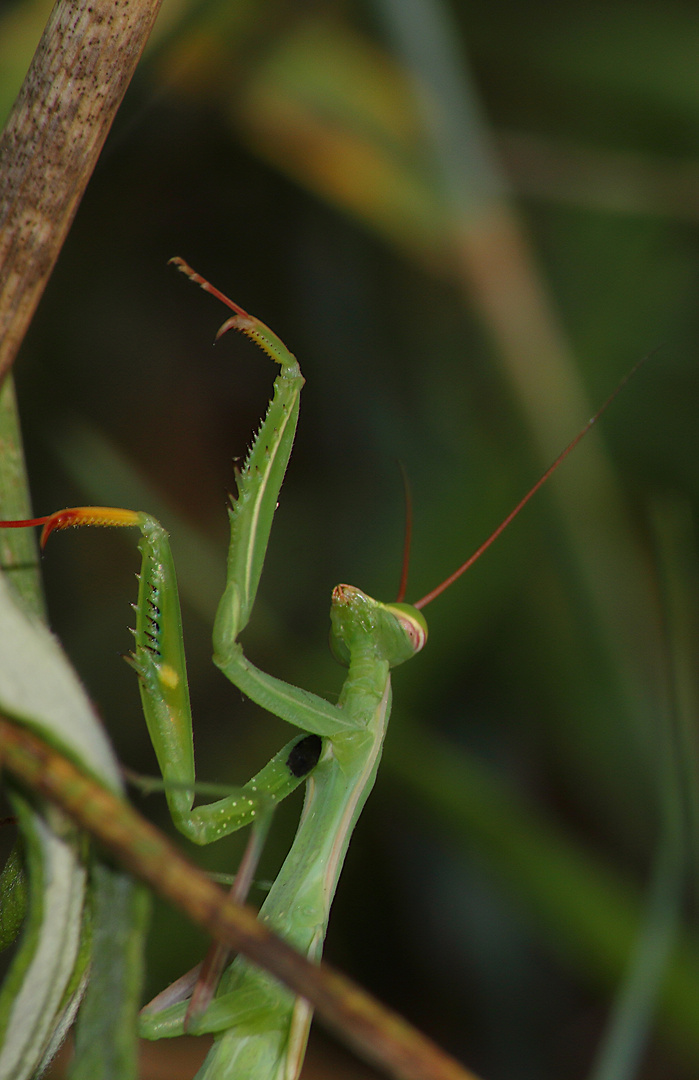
point(417, 634)
point(412, 623)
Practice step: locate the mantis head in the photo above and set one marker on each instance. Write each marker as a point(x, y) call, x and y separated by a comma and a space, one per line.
point(400, 629)
point(396, 631)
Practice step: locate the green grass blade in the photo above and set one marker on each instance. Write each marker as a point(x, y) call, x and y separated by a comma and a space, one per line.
point(105, 1045)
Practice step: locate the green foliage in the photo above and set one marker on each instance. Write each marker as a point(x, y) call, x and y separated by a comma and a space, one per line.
point(104, 1039)
point(64, 903)
point(13, 897)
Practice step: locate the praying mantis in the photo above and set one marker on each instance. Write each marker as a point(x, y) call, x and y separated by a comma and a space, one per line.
point(261, 1028)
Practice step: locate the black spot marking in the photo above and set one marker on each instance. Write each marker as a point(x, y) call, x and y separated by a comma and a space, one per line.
point(304, 756)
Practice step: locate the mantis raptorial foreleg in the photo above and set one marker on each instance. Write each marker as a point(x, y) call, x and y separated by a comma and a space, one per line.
point(159, 651)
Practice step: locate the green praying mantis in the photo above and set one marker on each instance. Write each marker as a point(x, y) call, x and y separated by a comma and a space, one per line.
point(260, 1027)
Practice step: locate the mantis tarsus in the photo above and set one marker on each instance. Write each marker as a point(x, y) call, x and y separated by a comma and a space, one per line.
point(261, 1027)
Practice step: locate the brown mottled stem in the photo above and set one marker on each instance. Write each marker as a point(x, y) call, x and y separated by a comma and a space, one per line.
point(376, 1033)
point(53, 137)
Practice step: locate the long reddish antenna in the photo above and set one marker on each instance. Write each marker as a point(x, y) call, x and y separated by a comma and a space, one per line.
point(439, 589)
point(407, 537)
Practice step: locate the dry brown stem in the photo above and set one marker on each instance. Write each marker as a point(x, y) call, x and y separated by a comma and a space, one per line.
point(77, 79)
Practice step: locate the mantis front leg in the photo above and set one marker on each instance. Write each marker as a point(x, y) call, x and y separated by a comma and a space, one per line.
point(159, 657)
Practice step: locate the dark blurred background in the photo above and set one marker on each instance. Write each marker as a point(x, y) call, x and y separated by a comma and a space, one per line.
point(467, 221)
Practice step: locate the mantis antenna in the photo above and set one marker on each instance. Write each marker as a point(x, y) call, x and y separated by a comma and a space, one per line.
point(439, 589)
